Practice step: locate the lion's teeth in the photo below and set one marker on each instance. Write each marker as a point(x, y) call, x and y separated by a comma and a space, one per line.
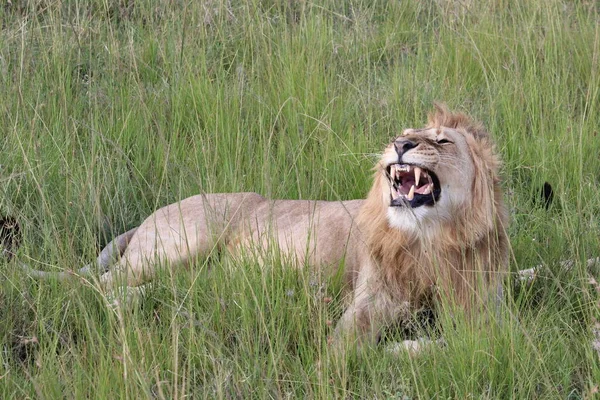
point(428, 189)
point(417, 175)
point(411, 194)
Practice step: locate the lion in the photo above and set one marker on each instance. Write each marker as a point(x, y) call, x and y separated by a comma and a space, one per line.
point(433, 226)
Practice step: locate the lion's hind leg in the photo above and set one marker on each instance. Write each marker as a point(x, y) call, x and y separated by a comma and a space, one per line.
point(125, 282)
point(176, 235)
point(131, 270)
point(150, 252)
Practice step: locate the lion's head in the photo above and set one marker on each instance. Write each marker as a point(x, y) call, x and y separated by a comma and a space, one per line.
point(436, 200)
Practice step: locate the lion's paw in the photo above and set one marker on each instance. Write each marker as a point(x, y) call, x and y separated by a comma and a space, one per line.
point(125, 297)
point(413, 347)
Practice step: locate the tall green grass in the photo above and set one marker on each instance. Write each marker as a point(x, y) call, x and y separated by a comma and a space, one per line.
point(113, 108)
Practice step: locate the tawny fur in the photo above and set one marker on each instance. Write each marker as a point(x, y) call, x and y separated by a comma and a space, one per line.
point(395, 259)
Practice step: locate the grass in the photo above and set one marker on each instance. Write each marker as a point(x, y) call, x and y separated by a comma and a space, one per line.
point(113, 108)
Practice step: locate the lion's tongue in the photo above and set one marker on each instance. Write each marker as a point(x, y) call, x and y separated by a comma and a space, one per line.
point(423, 189)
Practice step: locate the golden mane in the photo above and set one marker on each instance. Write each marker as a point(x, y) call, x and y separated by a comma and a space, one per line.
point(450, 256)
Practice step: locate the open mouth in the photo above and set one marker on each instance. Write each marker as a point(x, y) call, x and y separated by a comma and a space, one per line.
point(412, 186)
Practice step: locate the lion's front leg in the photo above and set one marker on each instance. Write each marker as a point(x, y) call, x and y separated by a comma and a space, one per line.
point(364, 320)
point(371, 310)
point(355, 327)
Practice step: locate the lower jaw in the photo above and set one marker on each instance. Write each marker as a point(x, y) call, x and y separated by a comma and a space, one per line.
point(416, 202)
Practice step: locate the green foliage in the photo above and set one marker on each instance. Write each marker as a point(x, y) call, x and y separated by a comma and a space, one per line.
point(113, 108)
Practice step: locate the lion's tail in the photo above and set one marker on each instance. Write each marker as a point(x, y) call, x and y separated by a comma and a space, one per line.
point(106, 258)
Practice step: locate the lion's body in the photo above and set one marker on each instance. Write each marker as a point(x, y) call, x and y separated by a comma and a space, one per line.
point(317, 233)
point(433, 225)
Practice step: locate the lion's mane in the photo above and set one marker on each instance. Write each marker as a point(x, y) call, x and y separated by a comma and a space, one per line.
point(454, 256)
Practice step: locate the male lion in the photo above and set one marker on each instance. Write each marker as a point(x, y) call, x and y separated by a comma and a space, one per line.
point(433, 226)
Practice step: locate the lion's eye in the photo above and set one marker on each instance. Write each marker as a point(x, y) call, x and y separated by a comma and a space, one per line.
point(444, 141)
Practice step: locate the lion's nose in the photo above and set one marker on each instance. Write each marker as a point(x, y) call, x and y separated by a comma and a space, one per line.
point(403, 145)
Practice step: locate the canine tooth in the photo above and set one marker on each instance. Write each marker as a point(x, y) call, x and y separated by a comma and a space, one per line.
point(417, 175)
point(411, 194)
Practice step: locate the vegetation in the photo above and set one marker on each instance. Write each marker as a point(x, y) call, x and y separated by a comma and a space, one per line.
point(112, 108)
